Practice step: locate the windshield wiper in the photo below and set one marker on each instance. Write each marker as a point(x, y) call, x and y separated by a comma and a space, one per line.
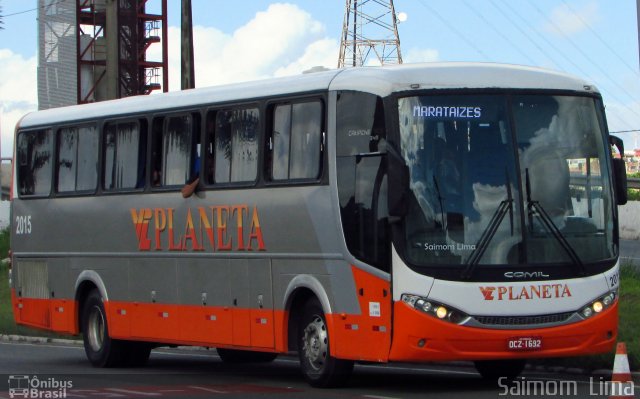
point(441, 202)
point(488, 234)
point(534, 207)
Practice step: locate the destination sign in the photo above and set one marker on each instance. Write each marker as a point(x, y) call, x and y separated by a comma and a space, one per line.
point(431, 111)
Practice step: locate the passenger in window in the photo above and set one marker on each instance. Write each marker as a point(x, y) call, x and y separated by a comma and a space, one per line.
point(156, 178)
point(192, 184)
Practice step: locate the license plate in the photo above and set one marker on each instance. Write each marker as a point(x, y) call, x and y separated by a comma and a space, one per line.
point(524, 344)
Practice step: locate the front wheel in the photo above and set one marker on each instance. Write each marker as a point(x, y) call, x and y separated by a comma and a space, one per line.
point(320, 369)
point(101, 350)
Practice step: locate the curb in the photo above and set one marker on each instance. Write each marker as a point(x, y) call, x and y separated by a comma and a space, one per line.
point(38, 340)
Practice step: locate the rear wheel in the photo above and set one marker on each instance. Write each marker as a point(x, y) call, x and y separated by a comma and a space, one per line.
point(101, 350)
point(240, 356)
point(495, 369)
point(319, 368)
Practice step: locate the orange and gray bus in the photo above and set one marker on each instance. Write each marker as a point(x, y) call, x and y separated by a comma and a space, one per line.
point(424, 212)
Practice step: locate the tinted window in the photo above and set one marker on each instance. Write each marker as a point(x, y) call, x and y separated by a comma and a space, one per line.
point(173, 149)
point(77, 167)
point(281, 141)
point(124, 156)
point(362, 180)
point(176, 150)
point(233, 149)
point(360, 123)
point(296, 141)
point(34, 162)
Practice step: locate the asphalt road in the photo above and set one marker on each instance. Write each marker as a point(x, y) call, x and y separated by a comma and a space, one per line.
point(200, 374)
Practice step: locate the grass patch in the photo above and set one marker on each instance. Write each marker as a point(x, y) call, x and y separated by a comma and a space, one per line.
point(629, 330)
point(7, 325)
point(633, 194)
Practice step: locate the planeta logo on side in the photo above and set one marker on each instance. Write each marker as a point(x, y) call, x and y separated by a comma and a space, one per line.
point(212, 228)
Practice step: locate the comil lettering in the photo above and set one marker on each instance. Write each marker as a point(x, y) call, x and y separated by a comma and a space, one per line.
point(527, 292)
point(217, 228)
point(430, 111)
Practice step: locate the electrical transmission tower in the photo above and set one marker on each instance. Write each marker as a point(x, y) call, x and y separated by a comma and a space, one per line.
point(370, 29)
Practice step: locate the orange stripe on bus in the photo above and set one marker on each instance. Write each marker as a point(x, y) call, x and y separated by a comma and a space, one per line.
point(360, 337)
point(365, 336)
point(58, 315)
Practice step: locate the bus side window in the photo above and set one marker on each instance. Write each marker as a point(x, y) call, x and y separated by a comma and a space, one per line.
point(77, 164)
point(34, 163)
point(232, 145)
point(296, 141)
point(173, 150)
point(124, 155)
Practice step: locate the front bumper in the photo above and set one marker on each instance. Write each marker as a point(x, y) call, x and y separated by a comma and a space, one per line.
point(419, 337)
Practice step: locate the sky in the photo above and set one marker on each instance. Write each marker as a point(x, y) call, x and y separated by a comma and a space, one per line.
point(245, 40)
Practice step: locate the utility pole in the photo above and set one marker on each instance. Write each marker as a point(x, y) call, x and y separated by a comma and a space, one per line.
point(186, 60)
point(370, 29)
point(638, 14)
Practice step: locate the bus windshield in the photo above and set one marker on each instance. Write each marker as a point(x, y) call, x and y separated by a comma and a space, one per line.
point(505, 179)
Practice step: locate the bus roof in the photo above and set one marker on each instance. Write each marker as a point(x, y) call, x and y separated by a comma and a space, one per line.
point(378, 80)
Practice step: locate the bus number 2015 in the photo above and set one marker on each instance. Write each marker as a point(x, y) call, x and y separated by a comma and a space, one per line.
point(23, 224)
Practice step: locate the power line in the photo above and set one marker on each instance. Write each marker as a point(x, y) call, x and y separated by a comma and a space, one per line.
point(562, 54)
point(33, 9)
point(633, 70)
point(499, 32)
point(584, 54)
point(454, 30)
point(522, 31)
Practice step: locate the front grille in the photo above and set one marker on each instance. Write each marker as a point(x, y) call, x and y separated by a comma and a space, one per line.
point(523, 320)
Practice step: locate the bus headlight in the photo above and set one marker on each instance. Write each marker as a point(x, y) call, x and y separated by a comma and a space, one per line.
point(598, 305)
point(441, 312)
point(435, 309)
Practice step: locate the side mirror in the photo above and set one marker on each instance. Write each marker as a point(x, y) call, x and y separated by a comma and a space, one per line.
point(619, 171)
point(620, 180)
point(398, 173)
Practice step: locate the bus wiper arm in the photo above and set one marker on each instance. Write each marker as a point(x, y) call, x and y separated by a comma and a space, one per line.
point(482, 245)
point(441, 202)
point(535, 207)
point(490, 231)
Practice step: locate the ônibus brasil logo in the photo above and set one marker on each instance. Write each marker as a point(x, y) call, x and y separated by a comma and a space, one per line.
point(511, 293)
point(23, 386)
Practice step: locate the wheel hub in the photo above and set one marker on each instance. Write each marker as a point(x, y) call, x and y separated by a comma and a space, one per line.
point(315, 343)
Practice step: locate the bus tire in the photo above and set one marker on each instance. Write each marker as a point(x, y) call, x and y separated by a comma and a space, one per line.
point(101, 350)
point(240, 356)
point(136, 354)
point(319, 368)
point(495, 369)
